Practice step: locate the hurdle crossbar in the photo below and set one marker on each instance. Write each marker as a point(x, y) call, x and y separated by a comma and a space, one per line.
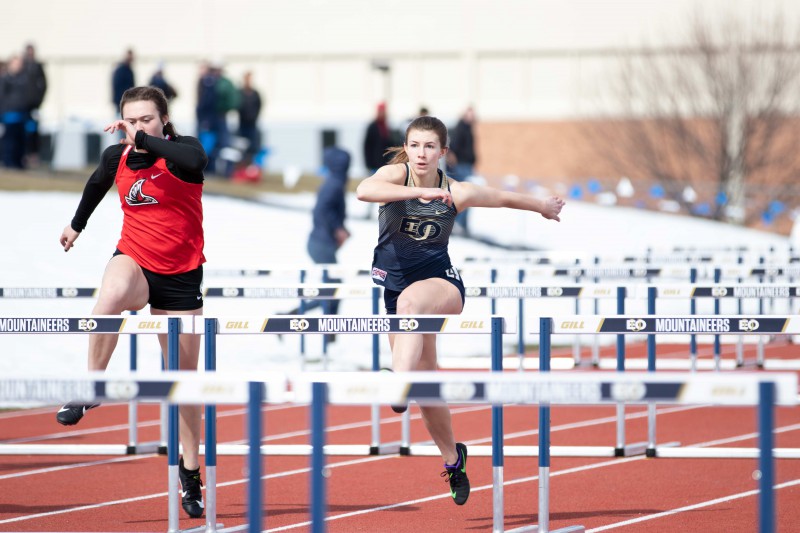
point(318, 389)
point(98, 324)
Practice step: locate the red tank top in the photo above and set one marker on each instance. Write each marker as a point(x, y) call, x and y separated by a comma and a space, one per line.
point(162, 225)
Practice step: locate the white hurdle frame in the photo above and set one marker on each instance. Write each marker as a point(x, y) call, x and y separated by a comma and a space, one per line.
point(764, 390)
point(133, 325)
point(652, 325)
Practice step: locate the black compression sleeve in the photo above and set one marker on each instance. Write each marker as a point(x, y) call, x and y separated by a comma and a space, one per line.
point(185, 152)
point(96, 188)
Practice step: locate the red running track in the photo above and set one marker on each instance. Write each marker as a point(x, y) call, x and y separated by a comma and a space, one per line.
point(405, 494)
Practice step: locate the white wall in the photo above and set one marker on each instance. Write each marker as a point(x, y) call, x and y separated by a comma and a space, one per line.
point(512, 59)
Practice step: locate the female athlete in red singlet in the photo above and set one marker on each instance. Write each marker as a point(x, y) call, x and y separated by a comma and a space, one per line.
point(159, 257)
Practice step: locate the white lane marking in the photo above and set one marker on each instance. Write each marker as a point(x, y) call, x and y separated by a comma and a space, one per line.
point(692, 507)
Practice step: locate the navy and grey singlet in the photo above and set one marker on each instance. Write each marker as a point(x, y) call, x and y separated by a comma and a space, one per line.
point(412, 240)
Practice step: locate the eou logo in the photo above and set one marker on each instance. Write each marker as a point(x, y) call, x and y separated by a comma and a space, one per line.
point(311, 293)
point(85, 324)
point(298, 324)
point(555, 291)
point(719, 292)
point(473, 291)
point(635, 324)
point(748, 324)
point(408, 324)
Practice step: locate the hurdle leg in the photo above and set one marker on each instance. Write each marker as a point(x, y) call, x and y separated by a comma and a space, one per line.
point(173, 478)
point(254, 493)
point(739, 351)
point(766, 464)
point(405, 433)
point(319, 393)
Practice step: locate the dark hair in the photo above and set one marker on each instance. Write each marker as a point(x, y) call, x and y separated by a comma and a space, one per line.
point(150, 94)
point(424, 123)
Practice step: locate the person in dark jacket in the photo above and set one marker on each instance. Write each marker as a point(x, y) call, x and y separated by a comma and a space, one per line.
point(158, 80)
point(328, 233)
point(461, 157)
point(37, 88)
point(377, 141)
point(249, 110)
point(122, 78)
point(15, 102)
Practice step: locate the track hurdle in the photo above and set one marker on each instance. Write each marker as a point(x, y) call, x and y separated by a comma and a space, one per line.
point(373, 324)
point(98, 324)
point(719, 292)
point(619, 449)
point(652, 325)
point(89, 292)
point(362, 389)
point(324, 292)
point(176, 388)
point(527, 291)
point(763, 391)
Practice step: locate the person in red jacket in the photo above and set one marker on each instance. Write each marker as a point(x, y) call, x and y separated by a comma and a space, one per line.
point(159, 257)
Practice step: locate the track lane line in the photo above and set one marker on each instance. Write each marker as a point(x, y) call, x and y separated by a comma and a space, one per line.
point(708, 503)
point(341, 464)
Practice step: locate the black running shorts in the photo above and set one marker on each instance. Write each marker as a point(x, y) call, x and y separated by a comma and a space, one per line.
point(174, 292)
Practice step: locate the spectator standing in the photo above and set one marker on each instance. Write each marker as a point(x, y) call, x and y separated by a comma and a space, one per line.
point(328, 233)
point(15, 104)
point(122, 78)
point(206, 113)
point(461, 156)
point(249, 111)
point(158, 80)
point(37, 88)
point(377, 141)
point(227, 101)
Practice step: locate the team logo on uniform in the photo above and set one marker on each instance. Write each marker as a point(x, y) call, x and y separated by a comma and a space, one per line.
point(377, 273)
point(135, 195)
point(420, 230)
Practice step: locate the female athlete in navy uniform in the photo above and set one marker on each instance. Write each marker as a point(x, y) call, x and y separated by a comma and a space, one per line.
point(159, 257)
point(418, 206)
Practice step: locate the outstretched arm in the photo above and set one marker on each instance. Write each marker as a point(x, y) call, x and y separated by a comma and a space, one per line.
point(470, 195)
point(388, 185)
point(187, 153)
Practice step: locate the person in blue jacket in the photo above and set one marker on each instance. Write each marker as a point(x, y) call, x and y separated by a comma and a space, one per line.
point(328, 233)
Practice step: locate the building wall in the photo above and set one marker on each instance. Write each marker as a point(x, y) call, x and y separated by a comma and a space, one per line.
point(514, 60)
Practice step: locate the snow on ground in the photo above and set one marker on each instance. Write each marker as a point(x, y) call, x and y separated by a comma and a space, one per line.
point(272, 233)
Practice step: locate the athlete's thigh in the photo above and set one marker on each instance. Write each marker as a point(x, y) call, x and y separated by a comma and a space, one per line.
point(189, 344)
point(431, 296)
point(124, 287)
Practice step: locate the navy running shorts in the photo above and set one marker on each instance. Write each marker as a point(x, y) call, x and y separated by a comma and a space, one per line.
point(390, 296)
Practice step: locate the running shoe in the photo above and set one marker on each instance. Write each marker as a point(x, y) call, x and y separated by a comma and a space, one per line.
point(71, 413)
point(457, 476)
point(191, 495)
point(399, 409)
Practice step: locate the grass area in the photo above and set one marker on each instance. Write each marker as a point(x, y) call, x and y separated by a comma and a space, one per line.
point(45, 180)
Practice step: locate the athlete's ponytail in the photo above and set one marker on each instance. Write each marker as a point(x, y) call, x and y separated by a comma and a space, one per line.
point(423, 123)
point(169, 131)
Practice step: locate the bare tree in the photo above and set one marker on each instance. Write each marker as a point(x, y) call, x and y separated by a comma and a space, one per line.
point(719, 114)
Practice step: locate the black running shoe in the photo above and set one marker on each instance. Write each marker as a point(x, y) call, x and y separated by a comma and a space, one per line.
point(399, 409)
point(71, 413)
point(457, 476)
point(191, 495)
